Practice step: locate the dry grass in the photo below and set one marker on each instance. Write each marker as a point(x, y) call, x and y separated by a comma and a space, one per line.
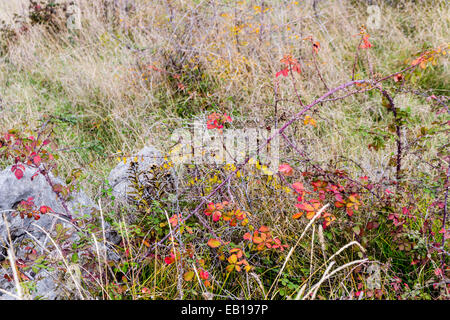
point(95, 79)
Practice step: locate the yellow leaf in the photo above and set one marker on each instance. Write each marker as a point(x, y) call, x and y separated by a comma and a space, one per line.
point(188, 276)
point(310, 215)
point(232, 259)
point(309, 120)
point(352, 198)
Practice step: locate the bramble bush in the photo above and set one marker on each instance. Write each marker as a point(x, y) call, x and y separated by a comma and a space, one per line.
point(216, 236)
point(309, 230)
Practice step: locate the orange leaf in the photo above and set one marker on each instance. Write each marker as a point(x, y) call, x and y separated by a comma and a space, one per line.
point(305, 206)
point(309, 120)
point(213, 243)
point(298, 186)
point(310, 215)
point(257, 239)
point(297, 215)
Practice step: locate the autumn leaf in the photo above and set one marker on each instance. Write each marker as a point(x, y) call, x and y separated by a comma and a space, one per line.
point(339, 204)
point(286, 170)
point(45, 209)
point(310, 215)
point(297, 215)
point(213, 243)
point(398, 77)
point(174, 220)
point(305, 206)
point(19, 174)
point(349, 212)
point(233, 259)
point(283, 73)
point(57, 188)
point(239, 253)
point(230, 267)
point(289, 61)
point(204, 275)
point(298, 186)
point(316, 46)
point(366, 44)
point(248, 236)
point(216, 216)
point(170, 259)
point(145, 242)
point(257, 239)
point(188, 276)
point(309, 120)
point(37, 160)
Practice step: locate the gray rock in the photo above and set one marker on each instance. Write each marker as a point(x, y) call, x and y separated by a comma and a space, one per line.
point(118, 177)
point(47, 284)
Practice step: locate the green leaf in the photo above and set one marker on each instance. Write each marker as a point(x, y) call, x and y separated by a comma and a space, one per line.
point(356, 229)
point(75, 257)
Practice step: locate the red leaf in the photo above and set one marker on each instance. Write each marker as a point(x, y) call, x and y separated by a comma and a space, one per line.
point(338, 197)
point(204, 275)
point(19, 174)
point(366, 43)
point(283, 73)
point(438, 272)
point(286, 170)
point(170, 259)
point(45, 209)
point(216, 216)
point(349, 212)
